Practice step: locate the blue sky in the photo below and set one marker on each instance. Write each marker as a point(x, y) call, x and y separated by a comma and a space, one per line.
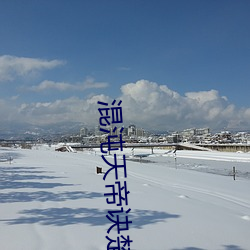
point(84, 49)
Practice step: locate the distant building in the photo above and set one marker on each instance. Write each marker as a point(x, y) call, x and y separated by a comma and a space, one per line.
point(195, 135)
point(202, 131)
point(140, 132)
point(83, 132)
point(131, 130)
point(97, 130)
point(188, 132)
point(125, 131)
point(223, 137)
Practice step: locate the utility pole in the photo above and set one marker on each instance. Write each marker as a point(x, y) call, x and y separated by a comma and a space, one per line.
point(234, 173)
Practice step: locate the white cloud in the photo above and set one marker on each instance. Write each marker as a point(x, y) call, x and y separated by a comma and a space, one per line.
point(89, 83)
point(151, 104)
point(44, 85)
point(203, 96)
point(8, 111)
point(72, 109)
point(12, 66)
point(146, 104)
point(123, 69)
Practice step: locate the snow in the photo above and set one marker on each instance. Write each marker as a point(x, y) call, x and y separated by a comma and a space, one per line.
point(54, 200)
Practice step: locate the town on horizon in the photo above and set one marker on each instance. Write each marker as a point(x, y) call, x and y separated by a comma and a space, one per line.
point(133, 134)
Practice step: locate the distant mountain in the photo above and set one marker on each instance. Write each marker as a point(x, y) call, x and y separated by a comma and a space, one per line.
point(10, 130)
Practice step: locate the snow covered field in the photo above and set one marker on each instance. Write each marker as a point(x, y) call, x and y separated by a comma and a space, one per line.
point(54, 201)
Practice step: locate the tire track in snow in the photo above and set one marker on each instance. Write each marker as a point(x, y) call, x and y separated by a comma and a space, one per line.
point(222, 196)
point(226, 197)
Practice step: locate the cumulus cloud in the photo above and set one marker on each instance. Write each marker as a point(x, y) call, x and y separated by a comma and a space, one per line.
point(89, 83)
point(202, 97)
point(146, 104)
point(71, 109)
point(12, 66)
point(162, 107)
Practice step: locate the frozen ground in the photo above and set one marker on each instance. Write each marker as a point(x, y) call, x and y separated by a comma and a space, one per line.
point(51, 200)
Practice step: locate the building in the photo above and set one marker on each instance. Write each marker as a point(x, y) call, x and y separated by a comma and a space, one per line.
point(83, 132)
point(140, 132)
point(202, 131)
point(131, 130)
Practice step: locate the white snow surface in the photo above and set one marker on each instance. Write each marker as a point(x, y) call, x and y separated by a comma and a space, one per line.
point(55, 201)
